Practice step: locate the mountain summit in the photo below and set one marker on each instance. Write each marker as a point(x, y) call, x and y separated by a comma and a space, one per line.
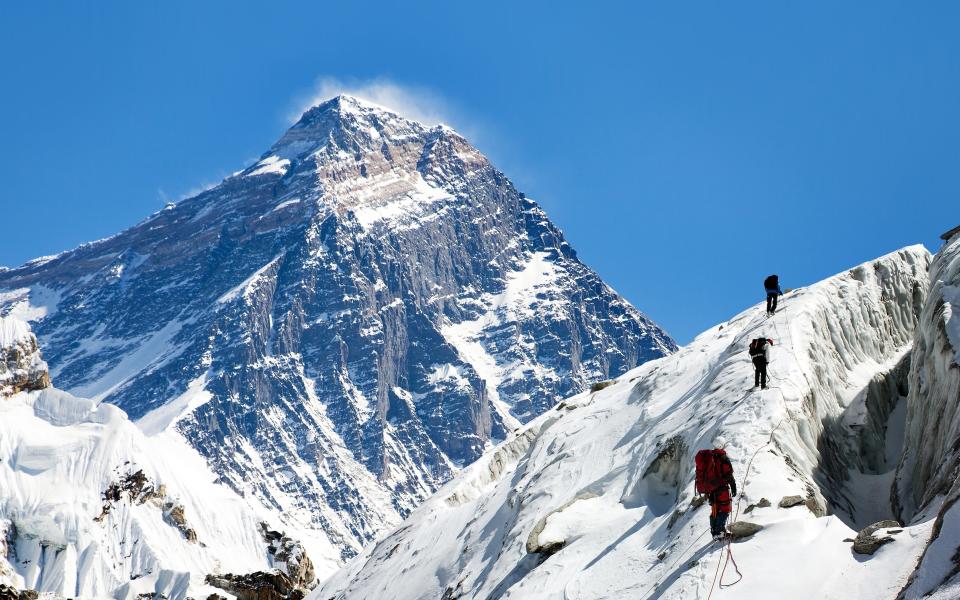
point(339, 328)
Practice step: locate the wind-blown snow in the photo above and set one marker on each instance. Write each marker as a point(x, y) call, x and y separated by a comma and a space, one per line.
point(604, 481)
point(270, 165)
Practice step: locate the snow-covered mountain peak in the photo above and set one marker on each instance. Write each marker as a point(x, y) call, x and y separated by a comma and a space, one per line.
point(348, 124)
point(340, 327)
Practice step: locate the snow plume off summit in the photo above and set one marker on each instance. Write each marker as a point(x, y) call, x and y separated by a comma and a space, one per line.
point(340, 327)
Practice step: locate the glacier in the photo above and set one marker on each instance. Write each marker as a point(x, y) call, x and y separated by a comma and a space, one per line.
point(594, 499)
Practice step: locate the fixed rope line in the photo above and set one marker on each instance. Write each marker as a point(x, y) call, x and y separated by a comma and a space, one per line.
point(727, 558)
point(681, 554)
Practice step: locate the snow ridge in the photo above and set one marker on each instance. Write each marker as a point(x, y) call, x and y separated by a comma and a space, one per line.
point(593, 499)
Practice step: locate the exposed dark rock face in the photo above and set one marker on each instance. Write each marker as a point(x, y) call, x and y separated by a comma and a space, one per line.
point(341, 326)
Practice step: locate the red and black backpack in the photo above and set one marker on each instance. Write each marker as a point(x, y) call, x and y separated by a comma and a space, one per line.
point(709, 475)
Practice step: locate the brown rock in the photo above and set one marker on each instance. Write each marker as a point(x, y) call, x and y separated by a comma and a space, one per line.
point(743, 529)
point(600, 385)
point(261, 585)
point(764, 503)
point(11, 593)
point(790, 501)
point(868, 543)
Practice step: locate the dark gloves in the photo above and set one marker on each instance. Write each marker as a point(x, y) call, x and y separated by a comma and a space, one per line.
point(733, 489)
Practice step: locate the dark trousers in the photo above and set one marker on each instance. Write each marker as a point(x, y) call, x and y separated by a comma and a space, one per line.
point(772, 302)
point(759, 371)
point(718, 521)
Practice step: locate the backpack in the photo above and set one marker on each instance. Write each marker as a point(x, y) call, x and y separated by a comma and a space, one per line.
point(771, 283)
point(756, 347)
point(709, 475)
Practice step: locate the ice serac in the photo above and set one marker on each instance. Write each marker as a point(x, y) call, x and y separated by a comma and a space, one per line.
point(928, 477)
point(90, 507)
point(594, 499)
point(339, 327)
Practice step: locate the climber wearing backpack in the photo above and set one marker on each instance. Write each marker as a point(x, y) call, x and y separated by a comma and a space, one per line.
point(714, 479)
point(760, 354)
point(772, 285)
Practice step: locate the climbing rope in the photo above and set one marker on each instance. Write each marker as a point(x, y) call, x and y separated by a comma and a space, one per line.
point(681, 554)
point(727, 557)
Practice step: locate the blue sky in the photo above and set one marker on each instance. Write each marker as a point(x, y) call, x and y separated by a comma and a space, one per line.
point(687, 149)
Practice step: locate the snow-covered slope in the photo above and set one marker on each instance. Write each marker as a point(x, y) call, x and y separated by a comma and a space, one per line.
point(91, 507)
point(593, 499)
point(339, 327)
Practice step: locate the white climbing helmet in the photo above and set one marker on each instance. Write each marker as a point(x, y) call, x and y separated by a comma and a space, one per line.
point(720, 442)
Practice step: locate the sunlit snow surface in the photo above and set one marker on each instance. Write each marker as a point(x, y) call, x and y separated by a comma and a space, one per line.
point(59, 453)
point(606, 473)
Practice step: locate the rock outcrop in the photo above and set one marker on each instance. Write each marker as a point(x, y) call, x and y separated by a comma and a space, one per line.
point(867, 542)
point(261, 585)
point(10, 593)
point(21, 367)
point(763, 503)
point(289, 556)
point(136, 488)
